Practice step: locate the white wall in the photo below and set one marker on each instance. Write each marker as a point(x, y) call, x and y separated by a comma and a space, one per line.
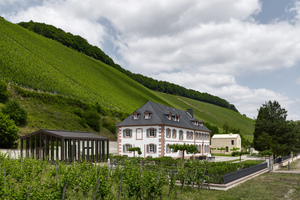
point(143, 143)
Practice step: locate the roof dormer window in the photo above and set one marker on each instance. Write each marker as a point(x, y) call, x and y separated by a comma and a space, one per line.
point(147, 114)
point(176, 118)
point(196, 122)
point(136, 115)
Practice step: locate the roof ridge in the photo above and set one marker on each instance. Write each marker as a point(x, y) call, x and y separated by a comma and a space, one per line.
point(156, 110)
point(65, 131)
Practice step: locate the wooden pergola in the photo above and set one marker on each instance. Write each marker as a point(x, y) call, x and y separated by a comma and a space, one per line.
point(65, 145)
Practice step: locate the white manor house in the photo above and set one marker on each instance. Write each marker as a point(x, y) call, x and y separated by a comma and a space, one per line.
point(153, 127)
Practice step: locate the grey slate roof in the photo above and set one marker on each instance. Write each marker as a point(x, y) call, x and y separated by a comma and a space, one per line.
point(159, 115)
point(67, 134)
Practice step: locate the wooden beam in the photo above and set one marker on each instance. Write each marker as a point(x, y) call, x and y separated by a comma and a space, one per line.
point(97, 151)
point(21, 148)
point(62, 149)
point(92, 152)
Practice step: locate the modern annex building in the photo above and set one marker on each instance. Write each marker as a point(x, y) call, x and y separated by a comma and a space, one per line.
point(153, 127)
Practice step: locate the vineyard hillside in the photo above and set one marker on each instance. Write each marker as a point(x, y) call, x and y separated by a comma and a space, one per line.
point(40, 65)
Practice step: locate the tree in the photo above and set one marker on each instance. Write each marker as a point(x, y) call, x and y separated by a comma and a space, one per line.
point(91, 118)
point(221, 149)
point(271, 130)
point(184, 147)
point(15, 112)
point(134, 149)
point(8, 132)
point(4, 93)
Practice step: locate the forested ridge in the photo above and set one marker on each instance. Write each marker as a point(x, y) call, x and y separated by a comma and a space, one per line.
point(80, 44)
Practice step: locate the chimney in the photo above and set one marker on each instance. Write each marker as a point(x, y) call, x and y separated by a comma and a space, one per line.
point(190, 111)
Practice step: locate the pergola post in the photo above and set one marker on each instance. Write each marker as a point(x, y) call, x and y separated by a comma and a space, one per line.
point(47, 146)
point(52, 148)
point(88, 149)
point(74, 149)
point(56, 143)
point(62, 149)
point(31, 147)
point(92, 152)
point(103, 150)
point(83, 149)
point(26, 147)
point(107, 147)
point(69, 150)
point(21, 148)
point(97, 151)
point(78, 143)
point(100, 150)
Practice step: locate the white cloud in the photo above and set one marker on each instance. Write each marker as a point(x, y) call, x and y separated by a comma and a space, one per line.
point(201, 45)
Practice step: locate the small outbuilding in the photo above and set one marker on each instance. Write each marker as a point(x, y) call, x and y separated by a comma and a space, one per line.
point(65, 145)
point(226, 141)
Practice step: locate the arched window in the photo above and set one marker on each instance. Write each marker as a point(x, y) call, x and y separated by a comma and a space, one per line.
point(174, 134)
point(180, 135)
point(168, 133)
point(168, 150)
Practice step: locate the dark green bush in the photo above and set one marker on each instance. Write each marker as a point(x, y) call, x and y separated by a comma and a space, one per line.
point(8, 132)
point(78, 112)
point(15, 112)
point(109, 123)
point(92, 118)
point(4, 93)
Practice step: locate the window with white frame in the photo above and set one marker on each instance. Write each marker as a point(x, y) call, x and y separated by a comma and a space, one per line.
point(126, 148)
point(151, 148)
point(147, 114)
point(127, 133)
point(151, 132)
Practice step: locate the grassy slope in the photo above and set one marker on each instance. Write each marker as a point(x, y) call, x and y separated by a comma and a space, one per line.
point(42, 64)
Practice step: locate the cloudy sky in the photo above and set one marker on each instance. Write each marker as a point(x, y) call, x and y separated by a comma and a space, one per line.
point(245, 51)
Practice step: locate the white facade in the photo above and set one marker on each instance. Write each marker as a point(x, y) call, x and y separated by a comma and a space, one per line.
point(164, 136)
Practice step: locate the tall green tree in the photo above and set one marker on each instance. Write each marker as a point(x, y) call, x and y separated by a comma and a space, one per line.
point(8, 132)
point(272, 131)
point(15, 112)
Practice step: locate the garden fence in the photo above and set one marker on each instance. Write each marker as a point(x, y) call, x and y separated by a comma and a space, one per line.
point(244, 172)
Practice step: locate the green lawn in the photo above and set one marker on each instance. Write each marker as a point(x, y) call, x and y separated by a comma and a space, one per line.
point(268, 186)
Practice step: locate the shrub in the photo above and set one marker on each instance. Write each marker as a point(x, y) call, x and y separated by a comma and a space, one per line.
point(4, 93)
point(92, 118)
point(15, 112)
point(109, 123)
point(78, 112)
point(8, 132)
